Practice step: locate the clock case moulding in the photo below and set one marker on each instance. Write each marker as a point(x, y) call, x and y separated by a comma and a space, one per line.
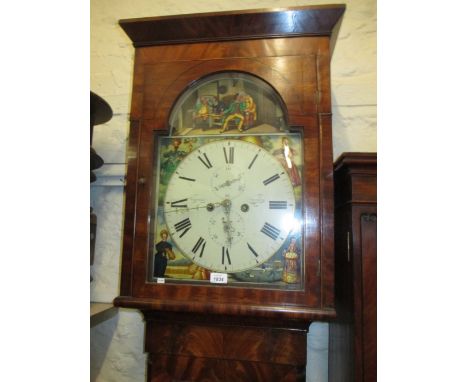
point(291, 50)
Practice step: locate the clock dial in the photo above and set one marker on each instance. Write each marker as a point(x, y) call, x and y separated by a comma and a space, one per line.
point(229, 206)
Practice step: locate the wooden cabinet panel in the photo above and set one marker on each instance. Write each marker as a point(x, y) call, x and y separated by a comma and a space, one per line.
point(170, 368)
point(353, 335)
point(242, 371)
point(369, 295)
point(189, 369)
point(197, 349)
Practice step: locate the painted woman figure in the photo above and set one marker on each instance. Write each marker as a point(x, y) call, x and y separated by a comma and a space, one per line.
point(291, 260)
point(285, 156)
point(163, 252)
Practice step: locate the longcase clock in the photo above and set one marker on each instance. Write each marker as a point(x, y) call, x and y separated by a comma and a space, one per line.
point(228, 236)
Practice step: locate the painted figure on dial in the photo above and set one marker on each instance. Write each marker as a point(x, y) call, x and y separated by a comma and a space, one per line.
point(285, 156)
point(242, 110)
point(250, 111)
point(291, 260)
point(163, 253)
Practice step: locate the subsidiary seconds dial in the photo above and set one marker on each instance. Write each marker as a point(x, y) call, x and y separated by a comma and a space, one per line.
point(229, 206)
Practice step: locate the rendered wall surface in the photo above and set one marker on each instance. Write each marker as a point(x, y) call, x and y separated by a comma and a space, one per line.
point(117, 344)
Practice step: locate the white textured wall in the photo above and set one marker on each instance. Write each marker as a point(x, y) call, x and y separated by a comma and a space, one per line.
point(117, 344)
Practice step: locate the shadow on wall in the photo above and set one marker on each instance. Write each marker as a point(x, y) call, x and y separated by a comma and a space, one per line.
point(101, 337)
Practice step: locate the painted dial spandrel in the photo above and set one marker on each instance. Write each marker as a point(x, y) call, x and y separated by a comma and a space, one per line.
point(229, 205)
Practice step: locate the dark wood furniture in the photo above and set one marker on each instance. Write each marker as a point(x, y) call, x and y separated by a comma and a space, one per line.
point(100, 112)
point(203, 332)
point(353, 336)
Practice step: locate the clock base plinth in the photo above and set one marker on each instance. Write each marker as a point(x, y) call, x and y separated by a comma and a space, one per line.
point(185, 347)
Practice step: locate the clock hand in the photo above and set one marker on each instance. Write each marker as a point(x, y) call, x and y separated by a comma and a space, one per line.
point(229, 182)
point(228, 230)
point(227, 224)
point(256, 201)
point(208, 206)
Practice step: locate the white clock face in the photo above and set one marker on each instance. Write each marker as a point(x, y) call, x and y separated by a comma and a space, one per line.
point(229, 206)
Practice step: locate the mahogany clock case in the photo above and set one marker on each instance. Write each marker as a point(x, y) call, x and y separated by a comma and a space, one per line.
point(200, 331)
point(288, 49)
